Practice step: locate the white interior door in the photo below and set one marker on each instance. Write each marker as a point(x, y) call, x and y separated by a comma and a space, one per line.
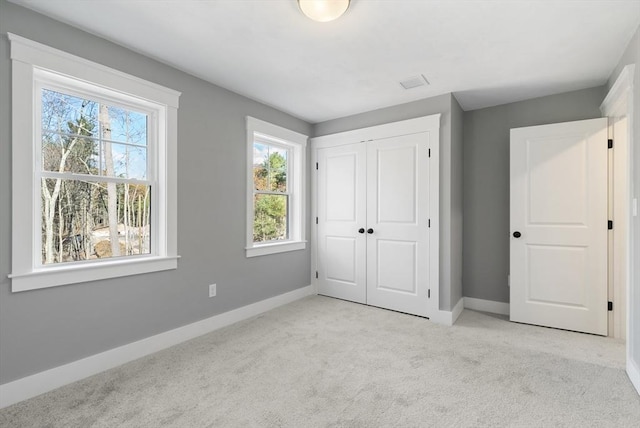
point(397, 223)
point(558, 264)
point(342, 221)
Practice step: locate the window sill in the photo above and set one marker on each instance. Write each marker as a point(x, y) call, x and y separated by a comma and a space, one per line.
point(71, 274)
point(274, 248)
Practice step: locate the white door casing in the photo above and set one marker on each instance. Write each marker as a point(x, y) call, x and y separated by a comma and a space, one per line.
point(619, 103)
point(618, 212)
point(558, 265)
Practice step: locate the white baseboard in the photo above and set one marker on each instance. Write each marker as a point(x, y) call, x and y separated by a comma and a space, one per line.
point(448, 318)
point(633, 371)
point(39, 383)
point(457, 310)
point(486, 306)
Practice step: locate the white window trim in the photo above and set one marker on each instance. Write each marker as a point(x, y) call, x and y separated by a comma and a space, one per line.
point(297, 143)
point(29, 59)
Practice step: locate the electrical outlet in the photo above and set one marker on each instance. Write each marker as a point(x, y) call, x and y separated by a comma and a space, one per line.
point(212, 290)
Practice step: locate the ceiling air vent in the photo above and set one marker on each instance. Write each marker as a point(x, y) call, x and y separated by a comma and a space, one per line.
point(414, 82)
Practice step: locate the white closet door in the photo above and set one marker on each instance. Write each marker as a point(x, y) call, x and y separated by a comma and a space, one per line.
point(397, 223)
point(341, 217)
point(559, 225)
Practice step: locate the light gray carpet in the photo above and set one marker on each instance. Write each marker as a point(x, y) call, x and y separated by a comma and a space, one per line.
point(321, 362)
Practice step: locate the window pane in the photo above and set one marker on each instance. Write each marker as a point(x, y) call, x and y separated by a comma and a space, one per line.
point(260, 166)
point(68, 114)
point(124, 161)
point(269, 168)
point(69, 153)
point(126, 126)
point(83, 136)
point(76, 219)
point(278, 169)
point(270, 218)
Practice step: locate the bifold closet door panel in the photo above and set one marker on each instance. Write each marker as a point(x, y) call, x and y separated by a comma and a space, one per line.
point(397, 223)
point(342, 222)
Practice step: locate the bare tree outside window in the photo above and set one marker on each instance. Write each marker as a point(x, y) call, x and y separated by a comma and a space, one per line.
point(96, 202)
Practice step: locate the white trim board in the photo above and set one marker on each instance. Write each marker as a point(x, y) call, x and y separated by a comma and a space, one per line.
point(377, 132)
point(448, 318)
point(486, 306)
point(633, 372)
point(620, 102)
point(48, 380)
point(457, 310)
point(615, 103)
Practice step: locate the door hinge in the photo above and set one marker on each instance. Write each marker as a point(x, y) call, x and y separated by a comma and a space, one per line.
point(316, 165)
point(316, 220)
point(429, 221)
point(316, 274)
point(609, 306)
point(610, 224)
point(610, 143)
point(429, 293)
point(429, 152)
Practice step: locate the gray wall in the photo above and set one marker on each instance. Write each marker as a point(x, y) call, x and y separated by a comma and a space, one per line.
point(631, 55)
point(450, 187)
point(457, 202)
point(46, 328)
point(486, 182)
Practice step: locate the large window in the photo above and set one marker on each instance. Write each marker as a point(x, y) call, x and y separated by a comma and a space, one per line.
point(95, 182)
point(93, 170)
point(275, 215)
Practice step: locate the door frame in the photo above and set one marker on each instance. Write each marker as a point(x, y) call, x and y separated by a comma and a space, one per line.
point(429, 124)
point(618, 103)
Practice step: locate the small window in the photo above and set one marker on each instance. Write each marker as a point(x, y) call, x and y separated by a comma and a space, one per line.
point(275, 219)
point(94, 170)
point(271, 194)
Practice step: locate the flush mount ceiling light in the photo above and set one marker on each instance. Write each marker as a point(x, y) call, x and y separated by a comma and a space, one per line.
point(323, 10)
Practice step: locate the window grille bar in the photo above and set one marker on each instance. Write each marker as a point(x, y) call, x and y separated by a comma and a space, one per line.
point(93, 178)
point(94, 138)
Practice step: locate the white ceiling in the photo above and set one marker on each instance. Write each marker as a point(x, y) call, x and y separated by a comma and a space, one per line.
point(485, 52)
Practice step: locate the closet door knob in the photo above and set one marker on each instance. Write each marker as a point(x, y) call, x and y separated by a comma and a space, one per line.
point(369, 231)
point(517, 234)
point(361, 230)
